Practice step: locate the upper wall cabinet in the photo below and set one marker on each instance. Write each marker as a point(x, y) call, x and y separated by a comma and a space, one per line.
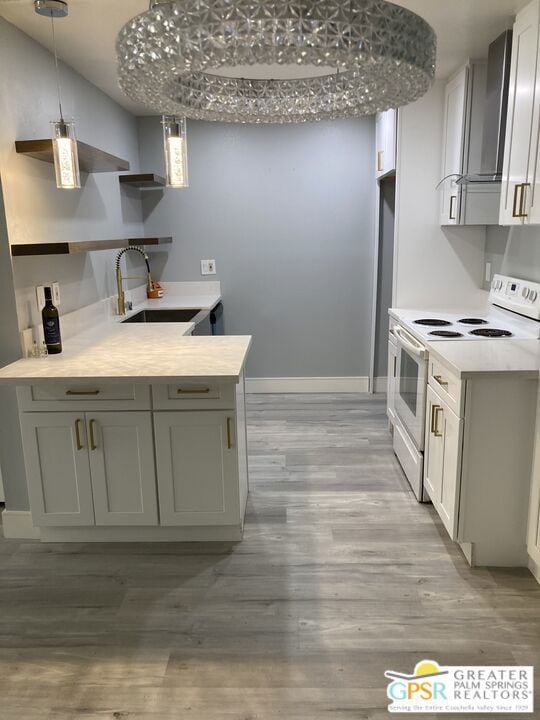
point(464, 110)
point(455, 105)
point(520, 200)
point(386, 143)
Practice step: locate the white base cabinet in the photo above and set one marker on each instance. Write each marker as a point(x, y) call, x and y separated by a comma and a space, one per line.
point(442, 469)
point(57, 468)
point(478, 455)
point(197, 468)
point(181, 462)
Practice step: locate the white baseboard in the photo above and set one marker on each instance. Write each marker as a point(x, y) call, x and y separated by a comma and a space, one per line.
point(535, 569)
point(381, 384)
point(308, 385)
point(17, 524)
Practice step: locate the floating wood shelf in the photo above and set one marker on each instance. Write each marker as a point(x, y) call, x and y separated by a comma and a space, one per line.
point(91, 160)
point(143, 181)
point(70, 248)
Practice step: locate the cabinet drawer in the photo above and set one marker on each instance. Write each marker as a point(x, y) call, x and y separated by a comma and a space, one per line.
point(194, 396)
point(447, 386)
point(80, 396)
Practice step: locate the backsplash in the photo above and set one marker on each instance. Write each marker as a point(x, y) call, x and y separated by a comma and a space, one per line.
point(514, 251)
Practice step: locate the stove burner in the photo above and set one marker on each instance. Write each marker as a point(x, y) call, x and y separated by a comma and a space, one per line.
point(491, 333)
point(433, 322)
point(446, 334)
point(473, 321)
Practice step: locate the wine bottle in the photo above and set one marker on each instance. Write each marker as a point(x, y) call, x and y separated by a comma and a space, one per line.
point(51, 325)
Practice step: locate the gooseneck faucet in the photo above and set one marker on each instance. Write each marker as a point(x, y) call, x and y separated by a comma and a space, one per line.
point(120, 279)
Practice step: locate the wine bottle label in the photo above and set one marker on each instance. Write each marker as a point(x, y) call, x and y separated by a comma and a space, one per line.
point(51, 329)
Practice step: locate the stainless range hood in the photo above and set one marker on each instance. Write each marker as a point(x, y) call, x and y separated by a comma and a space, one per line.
point(496, 107)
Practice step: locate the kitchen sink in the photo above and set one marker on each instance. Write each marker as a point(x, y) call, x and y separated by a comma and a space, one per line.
point(165, 316)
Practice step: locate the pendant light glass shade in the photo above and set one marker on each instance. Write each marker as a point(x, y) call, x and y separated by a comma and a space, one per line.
point(175, 146)
point(275, 61)
point(66, 157)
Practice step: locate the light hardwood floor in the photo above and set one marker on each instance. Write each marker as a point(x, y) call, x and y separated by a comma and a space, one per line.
point(341, 576)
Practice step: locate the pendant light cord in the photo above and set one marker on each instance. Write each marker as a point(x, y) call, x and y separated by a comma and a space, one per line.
point(57, 70)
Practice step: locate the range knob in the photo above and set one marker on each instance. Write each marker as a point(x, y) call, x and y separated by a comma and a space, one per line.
point(533, 296)
point(526, 293)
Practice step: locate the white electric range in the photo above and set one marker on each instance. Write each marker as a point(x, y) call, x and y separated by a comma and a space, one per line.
point(513, 312)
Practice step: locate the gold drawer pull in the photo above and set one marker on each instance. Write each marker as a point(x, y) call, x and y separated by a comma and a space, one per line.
point(82, 392)
point(93, 445)
point(78, 422)
point(453, 201)
point(229, 433)
point(204, 391)
point(380, 166)
point(441, 382)
point(435, 410)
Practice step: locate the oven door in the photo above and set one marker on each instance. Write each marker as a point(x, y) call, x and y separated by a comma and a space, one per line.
point(410, 385)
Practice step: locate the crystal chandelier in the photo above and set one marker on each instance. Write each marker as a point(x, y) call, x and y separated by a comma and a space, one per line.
point(66, 157)
point(278, 61)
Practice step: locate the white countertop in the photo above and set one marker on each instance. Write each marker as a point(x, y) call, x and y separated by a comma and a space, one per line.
point(153, 352)
point(483, 357)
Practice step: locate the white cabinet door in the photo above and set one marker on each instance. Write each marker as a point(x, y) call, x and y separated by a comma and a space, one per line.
point(392, 359)
point(453, 146)
point(122, 466)
point(58, 469)
point(516, 190)
point(448, 501)
point(442, 465)
point(197, 468)
point(434, 447)
point(386, 132)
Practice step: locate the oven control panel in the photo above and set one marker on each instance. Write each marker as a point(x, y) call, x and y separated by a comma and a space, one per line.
point(521, 296)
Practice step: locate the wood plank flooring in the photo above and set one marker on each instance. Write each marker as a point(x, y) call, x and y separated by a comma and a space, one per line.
point(341, 576)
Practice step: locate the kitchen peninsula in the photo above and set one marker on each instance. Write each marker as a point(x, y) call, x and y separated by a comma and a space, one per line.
point(136, 433)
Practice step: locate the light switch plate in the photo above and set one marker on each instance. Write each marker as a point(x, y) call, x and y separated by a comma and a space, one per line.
point(40, 297)
point(208, 267)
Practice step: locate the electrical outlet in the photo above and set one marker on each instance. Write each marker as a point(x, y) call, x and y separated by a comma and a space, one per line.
point(208, 267)
point(40, 297)
point(56, 293)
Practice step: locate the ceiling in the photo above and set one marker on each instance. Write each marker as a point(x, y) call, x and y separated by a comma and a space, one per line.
point(86, 39)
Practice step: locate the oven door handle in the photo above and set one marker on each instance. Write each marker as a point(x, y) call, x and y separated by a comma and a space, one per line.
point(409, 342)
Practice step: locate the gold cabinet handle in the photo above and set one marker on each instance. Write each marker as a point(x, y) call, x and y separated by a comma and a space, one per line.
point(438, 378)
point(453, 201)
point(91, 426)
point(203, 391)
point(435, 411)
point(518, 209)
point(380, 166)
point(82, 392)
point(78, 422)
point(522, 212)
point(229, 433)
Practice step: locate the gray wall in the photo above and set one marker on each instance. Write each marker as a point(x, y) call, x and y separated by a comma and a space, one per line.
point(287, 213)
point(514, 251)
point(385, 273)
point(11, 457)
point(37, 212)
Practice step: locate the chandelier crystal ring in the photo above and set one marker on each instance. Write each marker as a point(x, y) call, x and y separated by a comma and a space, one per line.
point(255, 61)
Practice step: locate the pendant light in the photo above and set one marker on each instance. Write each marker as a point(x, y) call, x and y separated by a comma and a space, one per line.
point(175, 147)
point(66, 157)
point(275, 61)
